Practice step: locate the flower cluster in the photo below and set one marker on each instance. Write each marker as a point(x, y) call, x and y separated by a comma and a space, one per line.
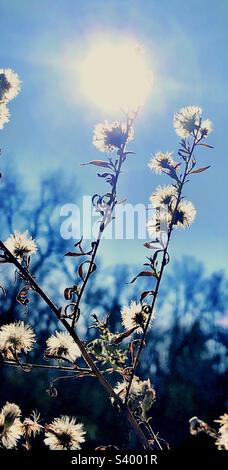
point(141, 395)
point(9, 89)
point(171, 210)
point(62, 346)
point(62, 434)
point(109, 137)
point(16, 338)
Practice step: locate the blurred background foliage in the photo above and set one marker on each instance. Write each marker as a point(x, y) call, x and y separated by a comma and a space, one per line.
point(185, 356)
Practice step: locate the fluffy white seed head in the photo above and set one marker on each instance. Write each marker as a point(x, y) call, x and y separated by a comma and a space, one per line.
point(109, 137)
point(64, 434)
point(16, 338)
point(162, 162)
point(20, 245)
point(61, 344)
point(9, 85)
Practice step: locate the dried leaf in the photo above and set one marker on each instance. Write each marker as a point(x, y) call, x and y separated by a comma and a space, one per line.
point(124, 335)
point(102, 163)
point(206, 145)
point(80, 269)
point(143, 273)
point(150, 245)
point(68, 293)
point(200, 170)
point(22, 296)
point(145, 294)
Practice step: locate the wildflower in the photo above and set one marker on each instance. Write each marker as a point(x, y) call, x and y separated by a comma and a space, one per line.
point(205, 128)
point(4, 115)
point(10, 425)
point(10, 412)
point(31, 426)
point(134, 316)
point(159, 223)
point(141, 394)
point(16, 338)
point(64, 434)
point(61, 344)
point(162, 162)
point(108, 137)
point(222, 440)
point(20, 245)
point(185, 214)
point(163, 196)
point(187, 120)
point(121, 388)
point(9, 85)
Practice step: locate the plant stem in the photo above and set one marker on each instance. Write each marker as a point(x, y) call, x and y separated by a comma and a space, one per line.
point(86, 356)
point(163, 264)
point(45, 366)
point(107, 213)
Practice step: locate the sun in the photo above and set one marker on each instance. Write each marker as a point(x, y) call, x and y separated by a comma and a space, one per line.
point(115, 75)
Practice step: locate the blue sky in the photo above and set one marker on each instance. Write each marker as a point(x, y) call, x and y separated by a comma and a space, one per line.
point(51, 124)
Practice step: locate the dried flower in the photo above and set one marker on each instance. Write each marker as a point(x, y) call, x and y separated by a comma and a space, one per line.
point(16, 338)
point(197, 426)
point(134, 316)
point(222, 440)
point(20, 245)
point(187, 120)
point(148, 396)
point(109, 137)
point(64, 434)
point(4, 115)
point(31, 426)
point(121, 388)
point(61, 344)
point(185, 214)
point(10, 425)
point(11, 412)
point(163, 196)
point(159, 223)
point(9, 85)
point(141, 395)
point(205, 128)
point(162, 162)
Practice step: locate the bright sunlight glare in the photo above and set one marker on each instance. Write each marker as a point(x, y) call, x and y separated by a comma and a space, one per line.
point(115, 76)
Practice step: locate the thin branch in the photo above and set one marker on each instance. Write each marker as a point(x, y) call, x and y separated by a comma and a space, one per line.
point(46, 366)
